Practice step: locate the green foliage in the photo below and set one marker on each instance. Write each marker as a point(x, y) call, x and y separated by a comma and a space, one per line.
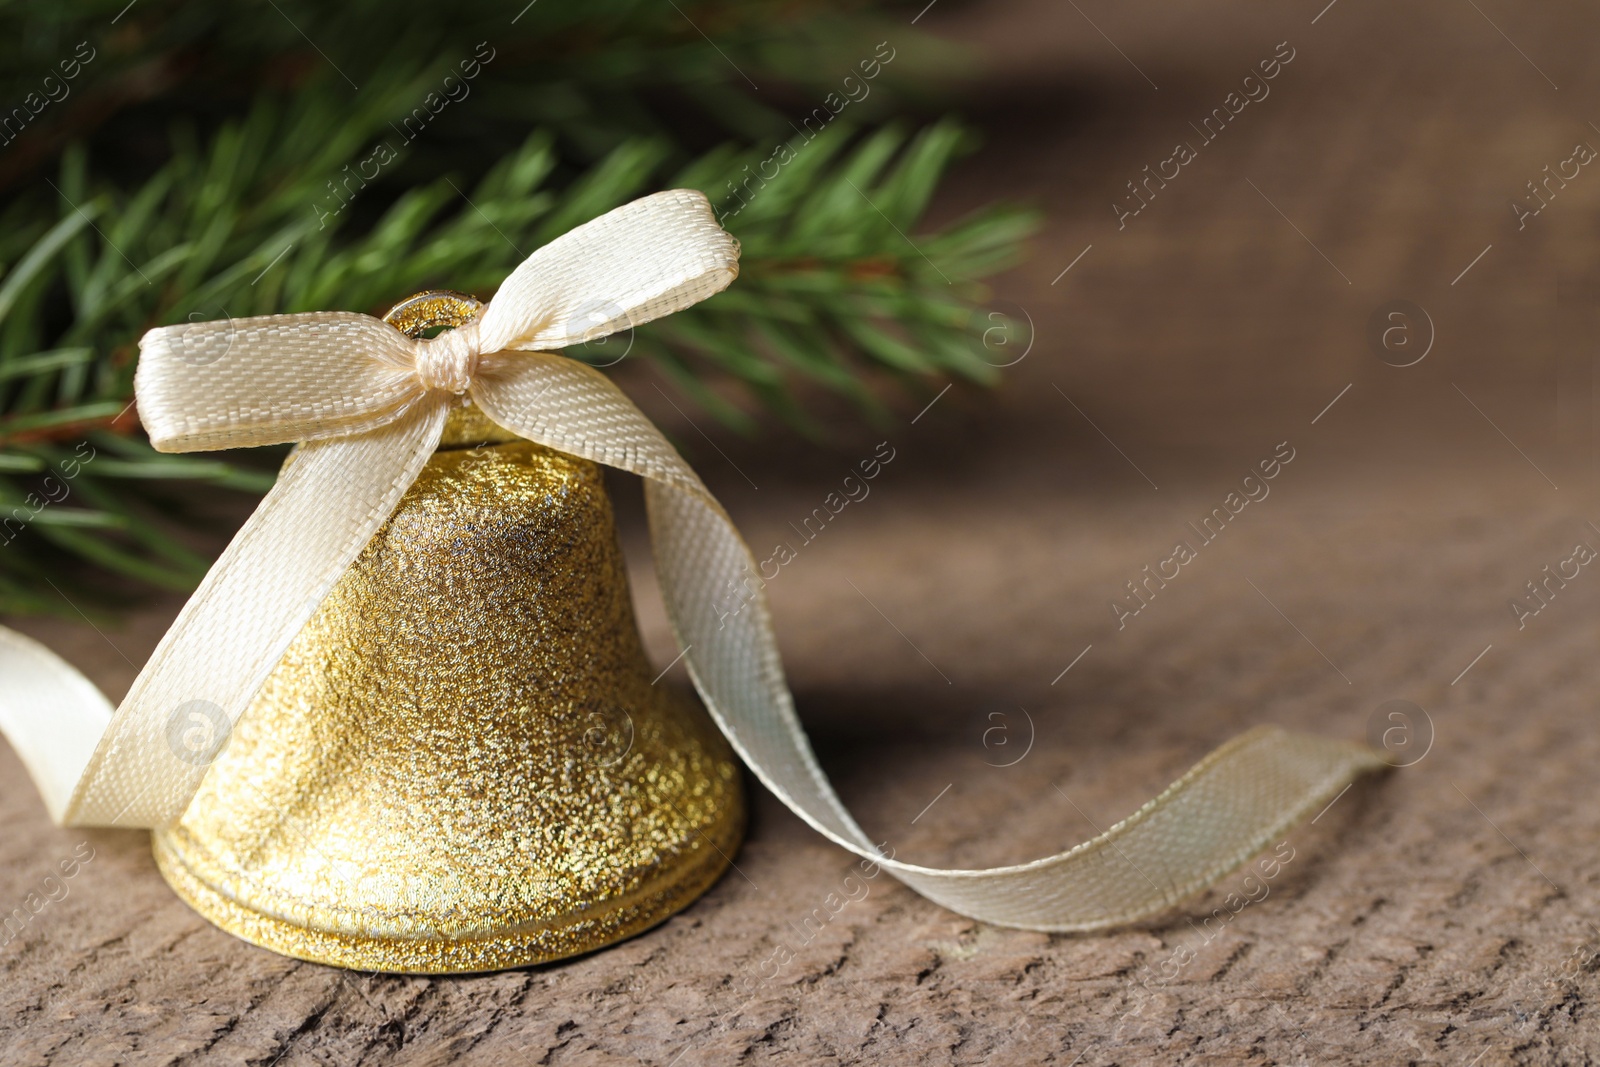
point(211, 164)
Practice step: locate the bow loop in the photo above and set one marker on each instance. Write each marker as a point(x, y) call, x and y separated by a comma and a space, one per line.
point(646, 259)
point(270, 380)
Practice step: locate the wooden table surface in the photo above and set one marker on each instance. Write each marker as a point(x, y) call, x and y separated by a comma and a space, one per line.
point(1443, 913)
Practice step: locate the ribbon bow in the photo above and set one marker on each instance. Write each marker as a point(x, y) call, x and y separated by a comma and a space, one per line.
point(368, 405)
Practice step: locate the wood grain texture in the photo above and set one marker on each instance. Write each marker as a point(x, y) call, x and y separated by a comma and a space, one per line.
point(1444, 913)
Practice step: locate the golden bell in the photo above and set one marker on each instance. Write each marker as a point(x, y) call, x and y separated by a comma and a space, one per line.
point(462, 763)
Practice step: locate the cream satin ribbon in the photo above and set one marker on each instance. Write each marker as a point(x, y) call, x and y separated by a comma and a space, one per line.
point(369, 404)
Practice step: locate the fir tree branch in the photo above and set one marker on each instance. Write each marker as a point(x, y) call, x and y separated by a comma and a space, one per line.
point(276, 204)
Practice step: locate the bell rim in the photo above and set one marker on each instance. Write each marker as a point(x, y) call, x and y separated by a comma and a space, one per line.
point(583, 929)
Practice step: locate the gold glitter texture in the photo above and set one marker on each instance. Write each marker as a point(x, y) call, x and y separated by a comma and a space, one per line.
point(462, 764)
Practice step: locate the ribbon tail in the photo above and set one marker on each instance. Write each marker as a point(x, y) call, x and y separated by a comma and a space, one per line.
point(1235, 802)
point(153, 753)
point(52, 715)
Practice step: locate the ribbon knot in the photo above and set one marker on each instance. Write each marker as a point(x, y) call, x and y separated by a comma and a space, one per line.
point(448, 362)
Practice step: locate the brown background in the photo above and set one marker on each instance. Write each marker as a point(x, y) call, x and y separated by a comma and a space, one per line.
point(1445, 913)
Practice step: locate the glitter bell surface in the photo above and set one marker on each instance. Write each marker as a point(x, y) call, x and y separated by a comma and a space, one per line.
point(462, 762)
